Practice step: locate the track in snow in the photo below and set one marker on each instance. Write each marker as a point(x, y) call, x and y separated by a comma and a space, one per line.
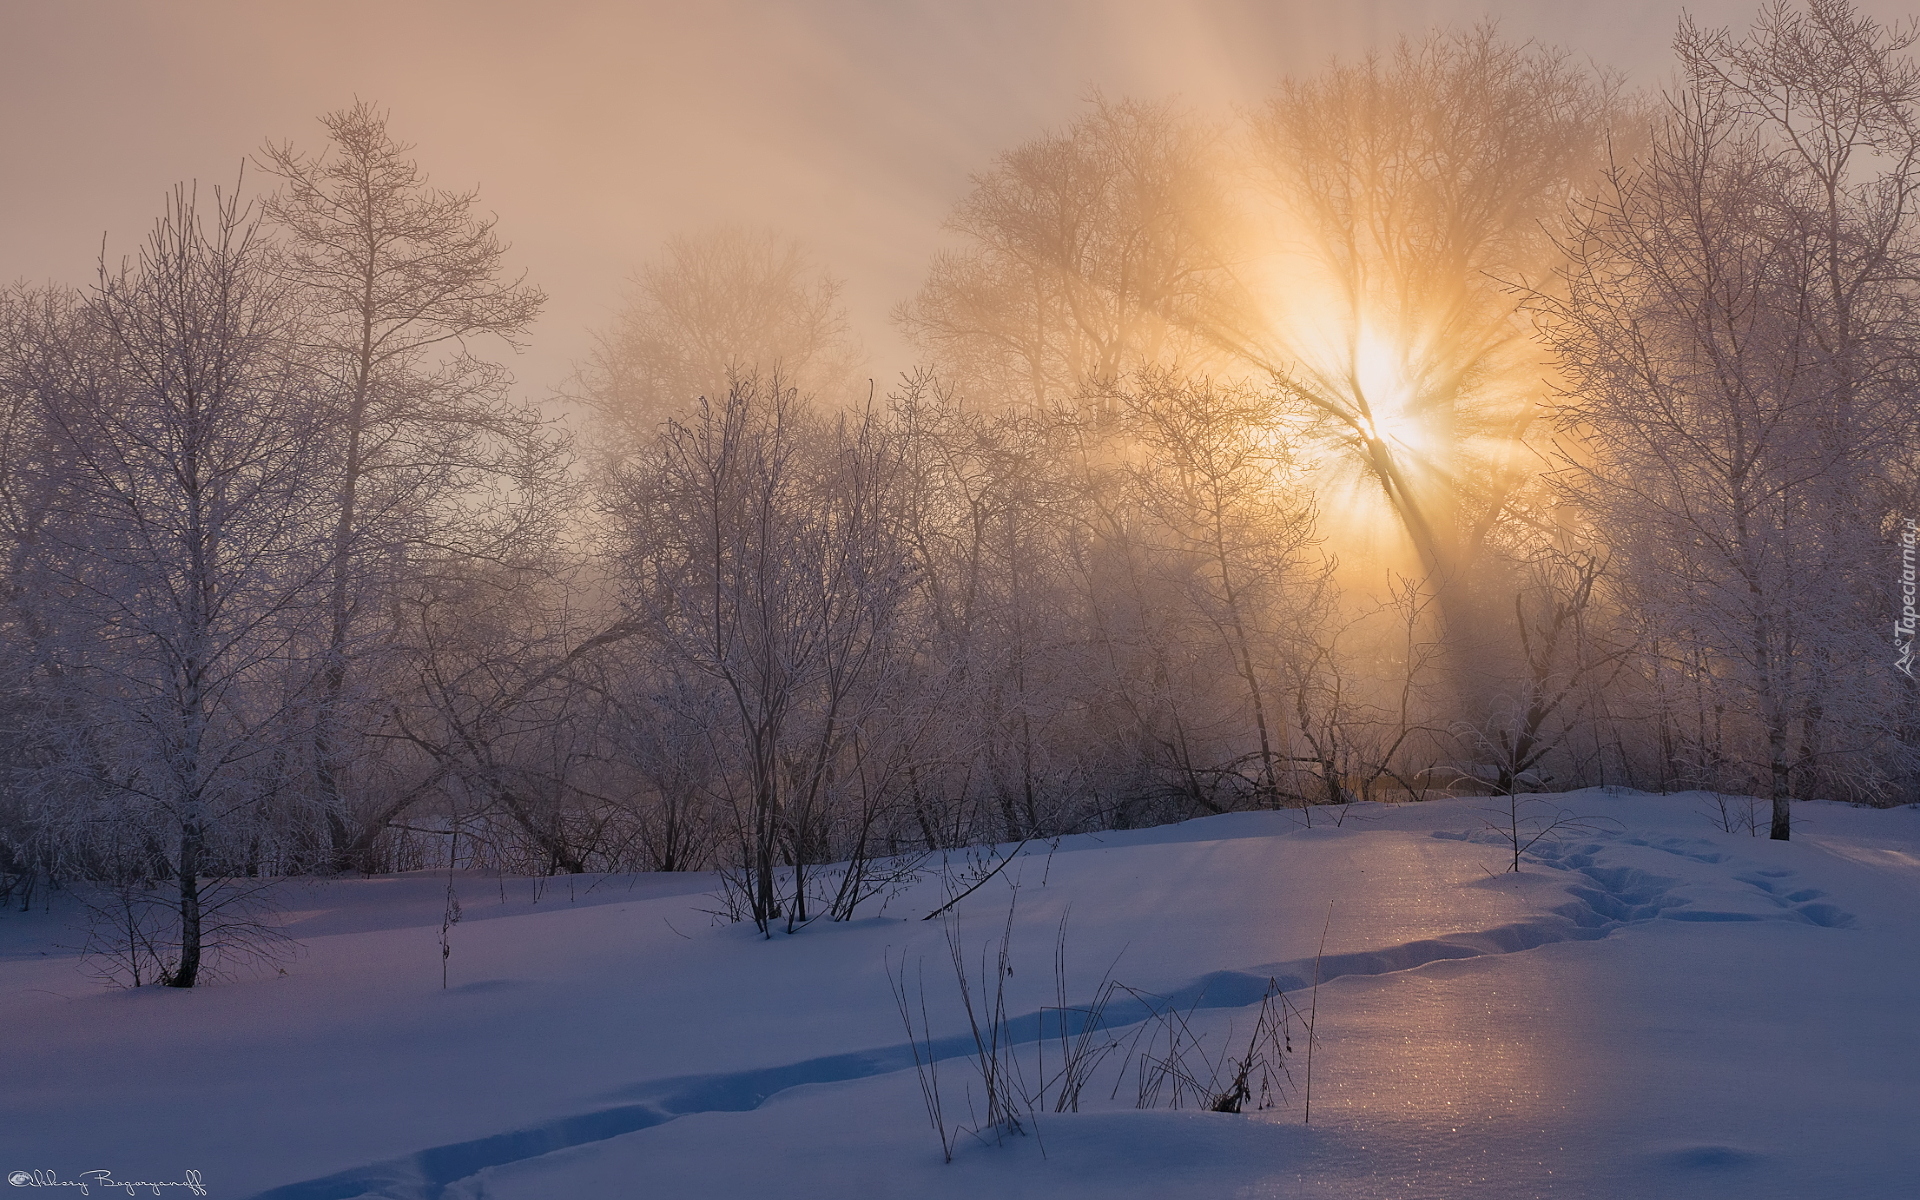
point(1604, 899)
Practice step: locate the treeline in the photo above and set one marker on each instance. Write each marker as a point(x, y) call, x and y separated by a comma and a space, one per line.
point(1457, 421)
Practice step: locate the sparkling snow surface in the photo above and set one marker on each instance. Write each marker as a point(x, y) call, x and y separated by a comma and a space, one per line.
point(1651, 1008)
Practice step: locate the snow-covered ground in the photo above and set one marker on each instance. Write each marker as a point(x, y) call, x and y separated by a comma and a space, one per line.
point(1653, 1007)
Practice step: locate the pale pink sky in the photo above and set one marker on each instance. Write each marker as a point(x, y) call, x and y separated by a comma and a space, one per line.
point(597, 129)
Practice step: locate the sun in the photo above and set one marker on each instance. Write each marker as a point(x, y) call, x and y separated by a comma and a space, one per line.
point(1385, 400)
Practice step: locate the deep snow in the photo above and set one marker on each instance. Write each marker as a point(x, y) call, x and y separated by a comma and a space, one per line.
point(1653, 1007)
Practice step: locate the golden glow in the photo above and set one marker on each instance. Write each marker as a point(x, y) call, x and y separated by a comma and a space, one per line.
point(1412, 389)
point(1384, 399)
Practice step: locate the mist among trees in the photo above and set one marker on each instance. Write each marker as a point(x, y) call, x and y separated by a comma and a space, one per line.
point(1459, 421)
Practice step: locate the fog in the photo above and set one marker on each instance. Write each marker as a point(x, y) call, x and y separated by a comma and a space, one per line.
point(597, 130)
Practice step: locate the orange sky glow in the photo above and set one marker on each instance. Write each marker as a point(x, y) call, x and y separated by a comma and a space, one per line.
point(596, 130)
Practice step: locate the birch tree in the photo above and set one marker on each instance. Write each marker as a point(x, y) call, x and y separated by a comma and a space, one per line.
point(182, 548)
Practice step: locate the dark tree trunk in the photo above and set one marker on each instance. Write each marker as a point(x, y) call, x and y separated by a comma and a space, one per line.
point(187, 972)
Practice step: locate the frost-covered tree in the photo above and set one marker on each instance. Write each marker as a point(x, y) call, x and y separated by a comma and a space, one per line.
point(760, 553)
point(1411, 193)
point(1738, 330)
point(713, 305)
point(179, 553)
point(1080, 249)
point(399, 282)
point(1234, 529)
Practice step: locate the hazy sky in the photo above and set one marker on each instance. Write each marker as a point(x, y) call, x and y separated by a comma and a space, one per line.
point(595, 130)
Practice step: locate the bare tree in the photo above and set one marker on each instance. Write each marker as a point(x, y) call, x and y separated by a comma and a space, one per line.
point(50, 347)
point(1571, 650)
point(1738, 328)
point(761, 555)
point(399, 279)
point(1214, 477)
point(183, 541)
point(503, 716)
point(1409, 193)
point(1080, 248)
point(729, 301)
point(1005, 556)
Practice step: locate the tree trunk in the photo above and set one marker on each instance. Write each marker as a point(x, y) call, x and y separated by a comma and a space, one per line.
point(187, 972)
point(1781, 771)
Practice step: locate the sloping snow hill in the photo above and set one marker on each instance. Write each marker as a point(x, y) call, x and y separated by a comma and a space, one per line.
point(1652, 1007)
